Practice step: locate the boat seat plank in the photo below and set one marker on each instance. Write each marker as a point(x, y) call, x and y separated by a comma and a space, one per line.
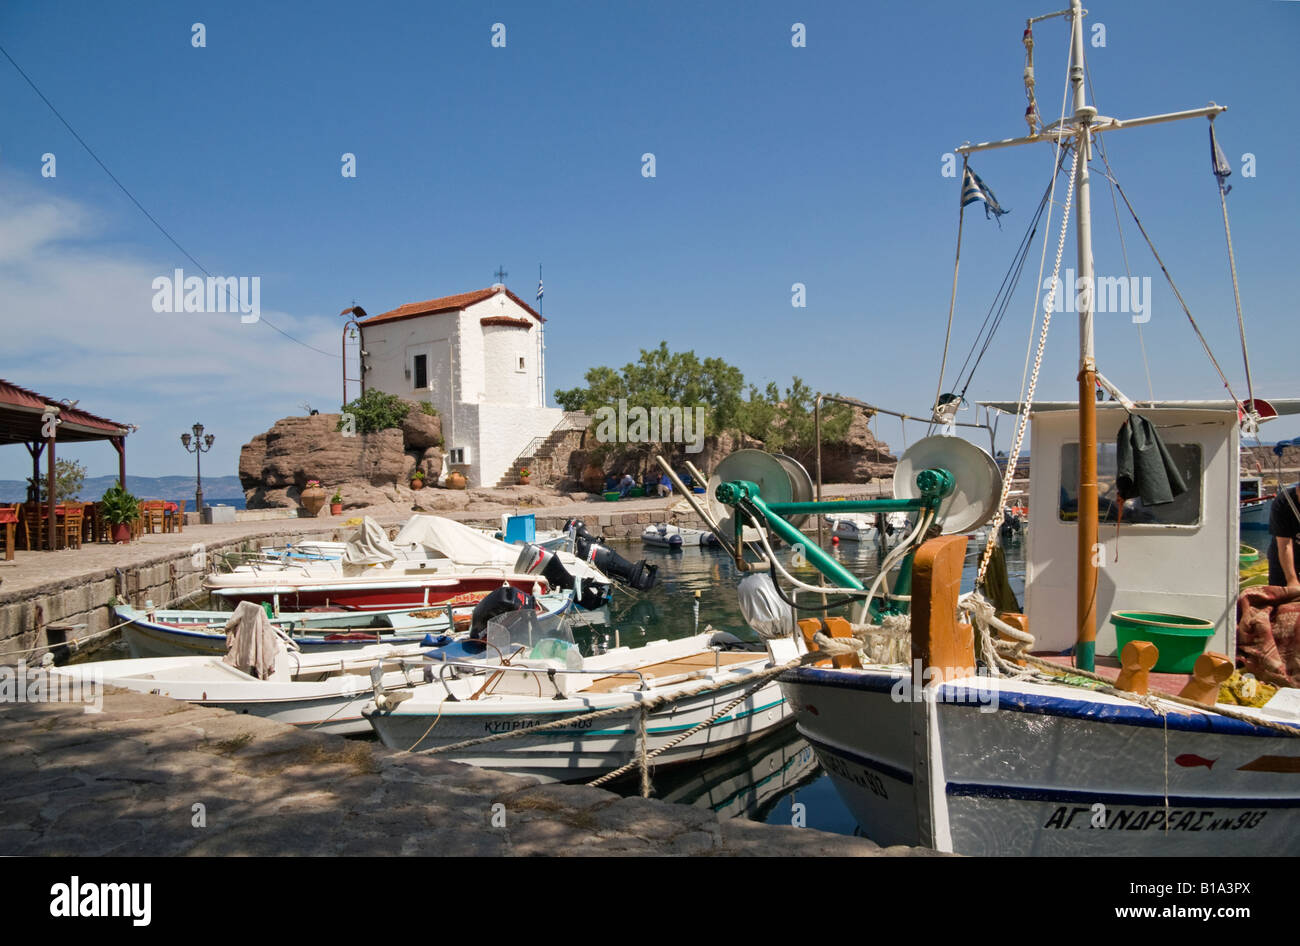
point(666, 668)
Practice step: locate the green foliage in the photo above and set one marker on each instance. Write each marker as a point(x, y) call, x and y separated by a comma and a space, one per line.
point(784, 423)
point(661, 378)
point(426, 407)
point(119, 506)
point(375, 411)
point(69, 477)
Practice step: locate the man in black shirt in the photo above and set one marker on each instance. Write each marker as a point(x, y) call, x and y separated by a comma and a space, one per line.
point(1283, 551)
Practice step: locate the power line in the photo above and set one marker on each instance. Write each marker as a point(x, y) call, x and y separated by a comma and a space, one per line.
point(122, 187)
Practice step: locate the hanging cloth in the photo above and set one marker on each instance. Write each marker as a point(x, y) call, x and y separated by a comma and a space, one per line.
point(997, 582)
point(1144, 467)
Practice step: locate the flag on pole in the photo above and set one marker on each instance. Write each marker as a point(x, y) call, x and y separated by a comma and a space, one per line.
point(1219, 162)
point(539, 288)
point(973, 189)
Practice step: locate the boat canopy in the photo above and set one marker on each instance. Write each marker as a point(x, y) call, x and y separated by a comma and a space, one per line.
point(369, 545)
point(447, 538)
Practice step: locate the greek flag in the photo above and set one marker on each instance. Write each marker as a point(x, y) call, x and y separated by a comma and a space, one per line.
point(1219, 162)
point(539, 288)
point(973, 189)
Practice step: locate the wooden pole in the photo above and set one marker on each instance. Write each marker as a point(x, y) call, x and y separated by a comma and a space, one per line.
point(50, 500)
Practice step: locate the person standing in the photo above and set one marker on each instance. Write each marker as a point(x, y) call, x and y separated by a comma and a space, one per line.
point(1284, 549)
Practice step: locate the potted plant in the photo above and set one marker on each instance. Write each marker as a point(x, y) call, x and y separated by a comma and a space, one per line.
point(119, 509)
point(336, 504)
point(417, 479)
point(524, 474)
point(312, 498)
point(456, 480)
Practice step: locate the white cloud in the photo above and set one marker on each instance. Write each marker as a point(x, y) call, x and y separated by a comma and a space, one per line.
point(79, 323)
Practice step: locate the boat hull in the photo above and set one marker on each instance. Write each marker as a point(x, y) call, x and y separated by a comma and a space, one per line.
point(591, 747)
point(1039, 772)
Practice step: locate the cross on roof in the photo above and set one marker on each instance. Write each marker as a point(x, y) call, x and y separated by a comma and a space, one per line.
point(501, 275)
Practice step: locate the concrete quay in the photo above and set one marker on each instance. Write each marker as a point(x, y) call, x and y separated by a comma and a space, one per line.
point(152, 776)
point(51, 599)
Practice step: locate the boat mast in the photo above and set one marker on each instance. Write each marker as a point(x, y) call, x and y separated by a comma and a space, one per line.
point(1086, 564)
point(1082, 125)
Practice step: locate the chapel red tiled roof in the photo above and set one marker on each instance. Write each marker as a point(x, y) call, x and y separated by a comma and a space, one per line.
point(447, 304)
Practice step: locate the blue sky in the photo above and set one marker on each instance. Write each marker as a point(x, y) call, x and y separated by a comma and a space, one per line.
point(774, 165)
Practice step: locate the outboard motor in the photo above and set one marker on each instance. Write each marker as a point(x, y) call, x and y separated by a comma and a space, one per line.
point(640, 576)
point(535, 560)
point(501, 601)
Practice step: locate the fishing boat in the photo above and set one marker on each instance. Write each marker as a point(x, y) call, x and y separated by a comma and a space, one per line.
point(153, 632)
point(431, 562)
point(976, 736)
point(540, 679)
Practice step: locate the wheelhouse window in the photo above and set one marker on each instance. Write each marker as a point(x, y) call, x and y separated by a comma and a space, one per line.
point(420, 371)
point(1185, 510)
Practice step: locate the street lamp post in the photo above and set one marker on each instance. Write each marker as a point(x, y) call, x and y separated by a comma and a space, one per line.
point(202, 444)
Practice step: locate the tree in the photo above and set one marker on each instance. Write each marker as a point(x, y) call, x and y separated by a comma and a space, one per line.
point(69, 477)
point(375, 411)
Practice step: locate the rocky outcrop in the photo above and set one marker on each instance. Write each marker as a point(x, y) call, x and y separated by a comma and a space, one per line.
point(859, 458)
point(366, 469)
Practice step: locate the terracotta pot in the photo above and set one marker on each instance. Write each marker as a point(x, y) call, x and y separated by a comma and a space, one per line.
point(312, 500)
point(336, 509)
point(456, 481)
point(523, 480)
point(417, 484)
point(122, 533)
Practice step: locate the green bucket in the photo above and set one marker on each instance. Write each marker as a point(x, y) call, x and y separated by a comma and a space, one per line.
point(1246, 554)
point(1179, 639)
point(612, 496)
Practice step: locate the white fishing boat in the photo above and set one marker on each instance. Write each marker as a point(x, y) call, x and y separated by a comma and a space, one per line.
point(431, 562)
point(538, 682)
point(153, 632)
point(323, 691)
point(955, 735)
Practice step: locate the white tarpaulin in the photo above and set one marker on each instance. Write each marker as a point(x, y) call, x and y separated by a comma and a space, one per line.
point(456, 541)
point(369, 546)
point(251, 642)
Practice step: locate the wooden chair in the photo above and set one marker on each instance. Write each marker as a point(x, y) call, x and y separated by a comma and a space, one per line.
point(9, 516)
point(155, 513)
point(176, 520)
point(70, 526)
point(137, 525)
point(33, 526)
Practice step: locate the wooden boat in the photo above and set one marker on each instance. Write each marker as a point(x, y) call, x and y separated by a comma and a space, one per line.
point(1010, 753)
point(688, 681)
point(320, 691)
point(178, 633)
point(432, 562)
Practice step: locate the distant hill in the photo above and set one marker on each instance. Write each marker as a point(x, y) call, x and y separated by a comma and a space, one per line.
point(175, 488)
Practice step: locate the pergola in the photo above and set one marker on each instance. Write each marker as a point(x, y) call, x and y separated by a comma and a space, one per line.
point(38, 422)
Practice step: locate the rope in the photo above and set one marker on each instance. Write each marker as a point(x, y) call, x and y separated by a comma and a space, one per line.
point(1022, 421)
point(956, 263)
point(1170, 279)
point(1236, 292)
point(73, 644)
point(649, 703)
point(644, 758)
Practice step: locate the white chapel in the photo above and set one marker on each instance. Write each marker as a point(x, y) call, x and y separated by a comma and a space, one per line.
point(478, 357)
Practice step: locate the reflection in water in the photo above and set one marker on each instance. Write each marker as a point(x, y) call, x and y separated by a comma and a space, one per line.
point(777, 779)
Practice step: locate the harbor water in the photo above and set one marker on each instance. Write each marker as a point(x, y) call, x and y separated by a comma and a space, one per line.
point(776, 780)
